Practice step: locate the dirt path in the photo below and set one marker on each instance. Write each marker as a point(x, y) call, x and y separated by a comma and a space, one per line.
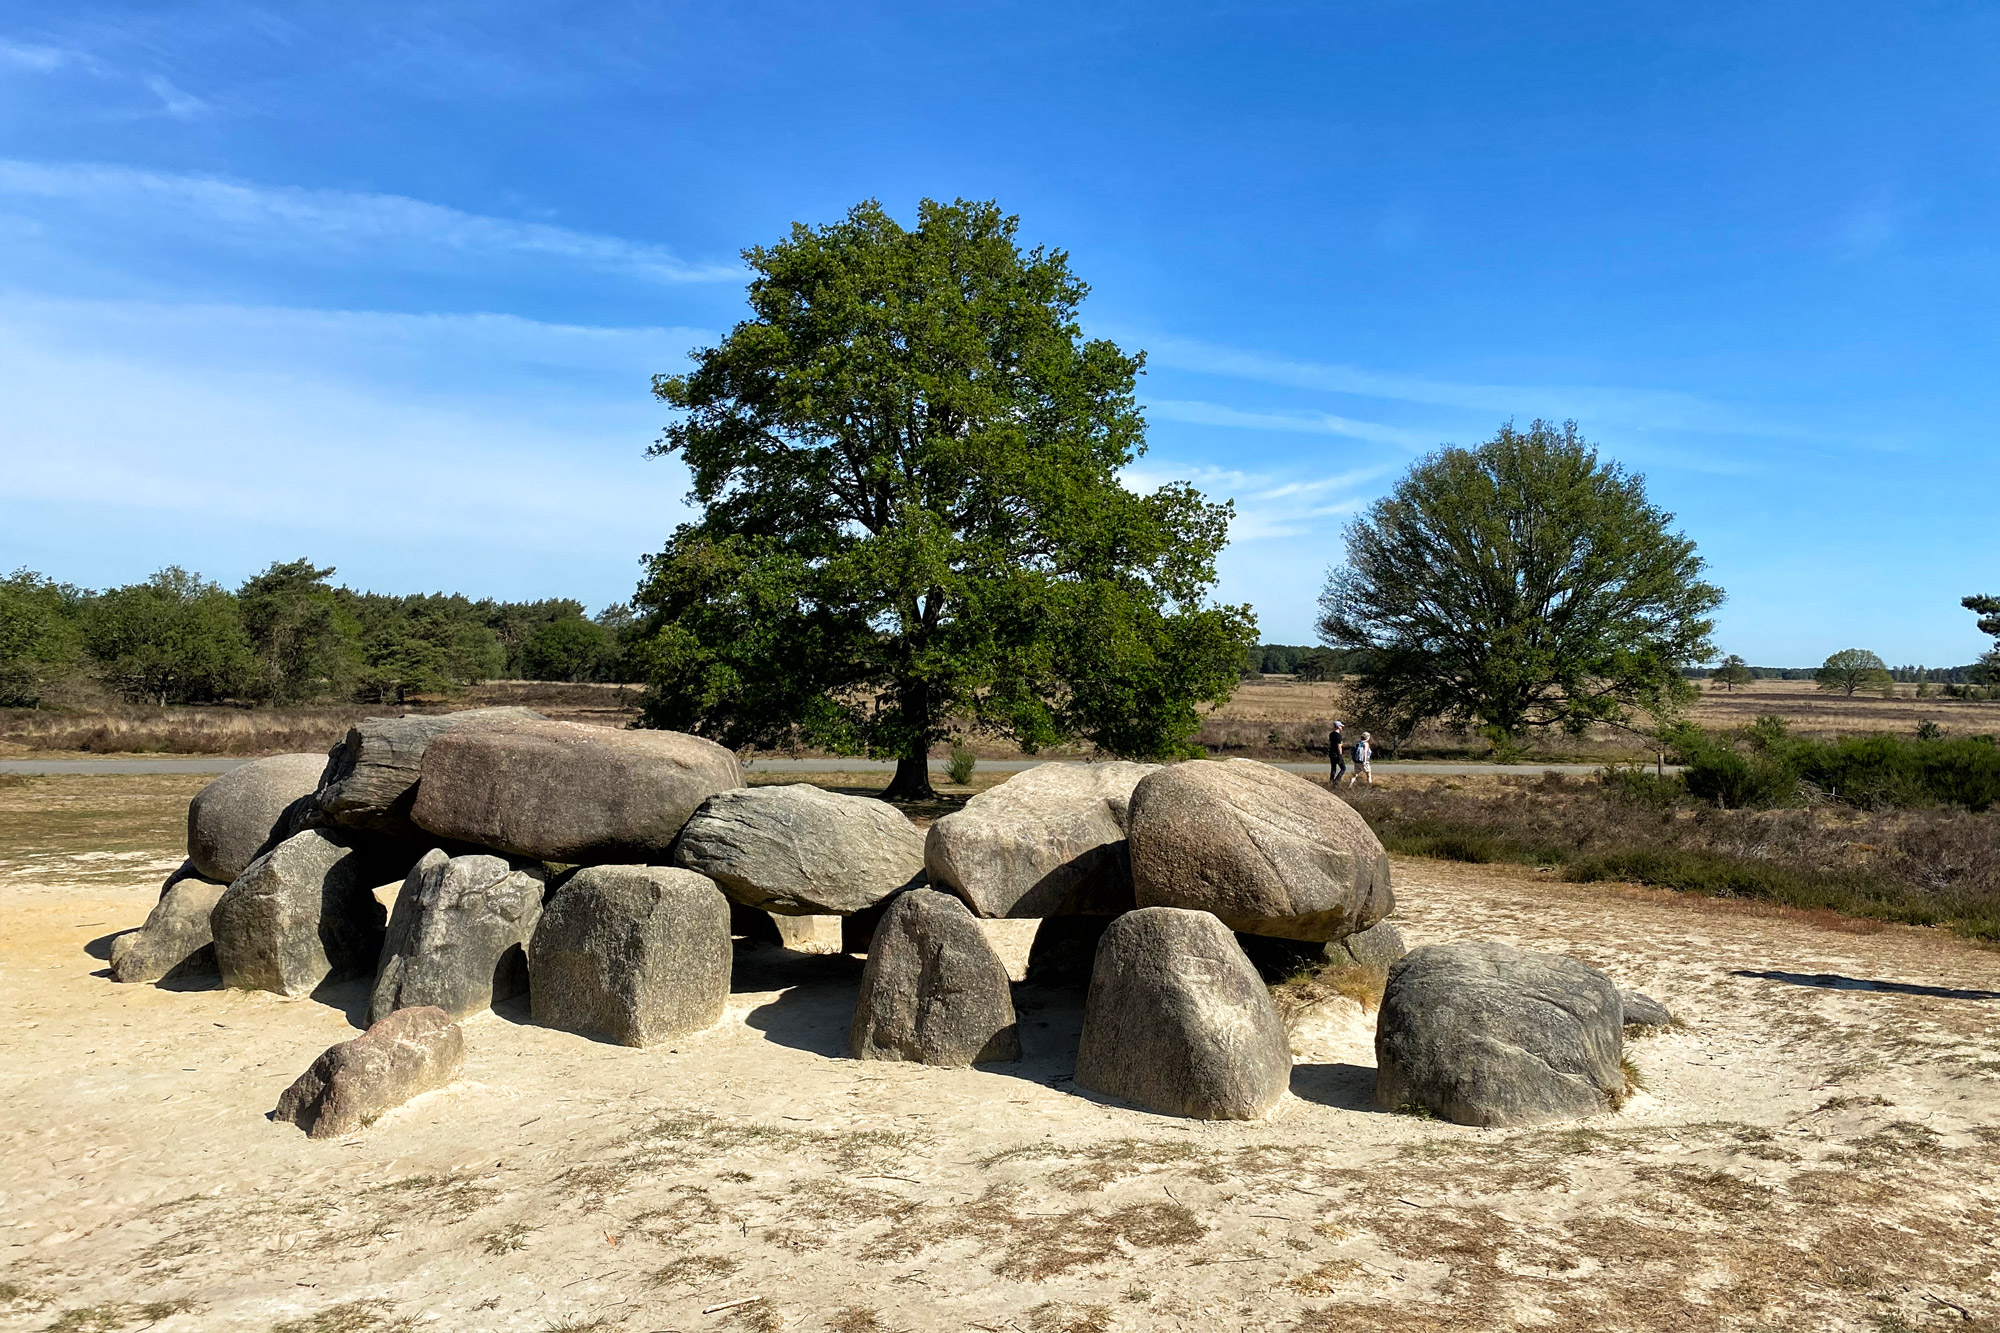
point(1809, 1154)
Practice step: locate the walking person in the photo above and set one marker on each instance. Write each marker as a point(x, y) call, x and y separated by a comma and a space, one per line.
point(1363, 753)
point(1336, 755)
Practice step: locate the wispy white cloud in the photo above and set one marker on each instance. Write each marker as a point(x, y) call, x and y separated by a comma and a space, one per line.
point(40, 59)
point(179, 105)
point(1599, 407)
point(488, 453)
point(289, 215)
point(1310, 423)
point(1268, 504)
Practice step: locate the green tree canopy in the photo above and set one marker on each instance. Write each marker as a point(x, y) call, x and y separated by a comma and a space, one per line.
point(1988, 611)
point(571, 648)
point(1520, 585)
point(40, 643)
point(1852, 669)
point(1733, 671)
point(176, 638)
point(307, 644)
point(907, 463)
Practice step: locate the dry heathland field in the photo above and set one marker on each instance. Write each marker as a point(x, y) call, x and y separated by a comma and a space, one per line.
point(1275, 717)
point(1816, 1146)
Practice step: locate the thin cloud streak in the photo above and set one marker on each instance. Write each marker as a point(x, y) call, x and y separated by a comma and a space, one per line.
point(1632, 408)
point(1310, 423)
point(355, 220)
point(1267, 505)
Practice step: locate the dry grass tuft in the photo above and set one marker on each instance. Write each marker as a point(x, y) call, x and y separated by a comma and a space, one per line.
point(348, 1317)
point(691, 1269)
point(1062, 1317)
point(759, 1316)
point(507, 1239)
point(856, 1319)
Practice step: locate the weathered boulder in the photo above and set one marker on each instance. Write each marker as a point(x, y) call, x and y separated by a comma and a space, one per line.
point(1640, 1010)
point(244, 812)
point(370, 777)
point(634, 954)
point(1265, 850)
point(458, 937)
point(1064, 949)
point(809, 934)
point(301, 914)
point(796, 850)
point(1177, 1020)
point(1046, 842)
point(1486, 1034)
point(933, 991)
point(1375, 949)
point(562, 791)
point(354, 1084)
point(175, 941)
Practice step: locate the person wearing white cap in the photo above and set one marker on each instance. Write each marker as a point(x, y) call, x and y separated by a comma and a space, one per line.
point(1363, 753)
point(1336, 756)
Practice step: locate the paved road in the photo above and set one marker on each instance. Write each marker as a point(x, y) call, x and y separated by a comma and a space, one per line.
point(1384, 768)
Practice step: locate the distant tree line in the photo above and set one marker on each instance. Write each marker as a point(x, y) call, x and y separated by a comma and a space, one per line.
point(288, 636)
point(1971, 674)
point(1306, 661)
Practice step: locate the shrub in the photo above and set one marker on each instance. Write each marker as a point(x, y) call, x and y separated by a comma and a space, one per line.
point(959, 767)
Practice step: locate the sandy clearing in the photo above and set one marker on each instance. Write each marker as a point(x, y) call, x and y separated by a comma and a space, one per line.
point(1808, 1155)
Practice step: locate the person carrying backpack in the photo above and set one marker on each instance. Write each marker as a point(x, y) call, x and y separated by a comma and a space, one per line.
point(1336, 755)
point(1363, 752)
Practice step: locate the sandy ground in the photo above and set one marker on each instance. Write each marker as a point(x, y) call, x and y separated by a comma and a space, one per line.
point(1818, 1148)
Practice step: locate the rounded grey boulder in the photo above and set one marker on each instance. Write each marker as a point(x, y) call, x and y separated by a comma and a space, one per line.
point(1486, 1034)
point(301, 914)
point(370, 777)
point(633, 954)
point(565, 792)
point(238, 816)
point(797, 850)
point(933, 991)
point(1375, 949)
point(1265, 850)
point(175, 941)
point(1177, 1020)
point(355, 1083)
point(458, 936)
point(1643, 1011)
point(1046, 842)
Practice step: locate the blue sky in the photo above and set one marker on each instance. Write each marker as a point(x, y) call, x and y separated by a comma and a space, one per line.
point(384, 284)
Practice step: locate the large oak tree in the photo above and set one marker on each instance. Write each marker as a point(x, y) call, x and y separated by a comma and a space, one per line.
point(906, 462)
point(1519, 586)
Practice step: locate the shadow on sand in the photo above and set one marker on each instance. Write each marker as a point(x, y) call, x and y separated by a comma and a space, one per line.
point(1834, 981)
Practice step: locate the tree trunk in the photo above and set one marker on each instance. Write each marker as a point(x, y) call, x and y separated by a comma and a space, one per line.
point(912, 781)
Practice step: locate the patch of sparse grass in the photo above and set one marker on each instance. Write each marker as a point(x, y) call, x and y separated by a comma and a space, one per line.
point(856, 1319)
point(13, 1293)
point(1031, 1244)
point(1136, 1295)
point(576, 1324)
point(507, 1239)
point(759, 1316)
point(692, 1269)
point(1326, 1278)
point(348, 1317)
point(114, 1315)
point(817, 1211)
point(1099, 1164)
point(1063, 1317)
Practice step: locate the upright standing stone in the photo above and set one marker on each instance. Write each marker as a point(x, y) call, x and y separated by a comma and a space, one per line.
point(248, 809)
point(634, 954)
point(354, 1084)
point(458, 937)
point(1177, 1020)
point(564, 792)
point(1265, 850)
point(795, 850)
point(1047, 842)
point(933, 991)
point(370, 778)
point(1486, 1034)
point(175, 942)
point(301, 914)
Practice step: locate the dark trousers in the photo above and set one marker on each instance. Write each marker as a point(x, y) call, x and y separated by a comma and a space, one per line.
point(1339, 762)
